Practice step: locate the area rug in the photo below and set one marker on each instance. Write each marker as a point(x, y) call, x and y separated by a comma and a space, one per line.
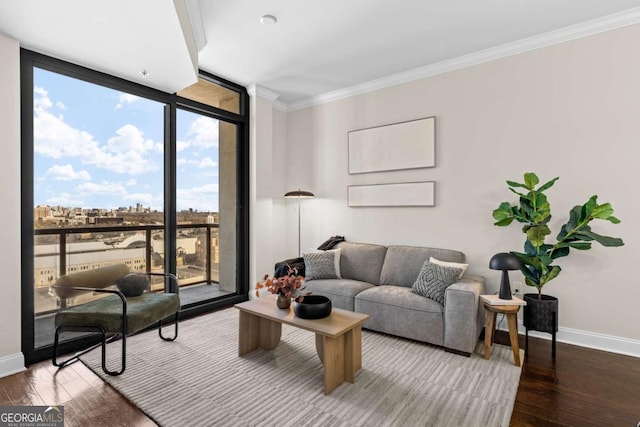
point(199, 380)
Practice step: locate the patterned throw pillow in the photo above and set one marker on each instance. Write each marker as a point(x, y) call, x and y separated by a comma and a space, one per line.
point(434, 279)
point(322, 265)
point(450, 264)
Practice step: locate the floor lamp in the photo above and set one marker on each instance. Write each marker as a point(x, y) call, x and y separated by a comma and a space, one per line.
point(299, 194)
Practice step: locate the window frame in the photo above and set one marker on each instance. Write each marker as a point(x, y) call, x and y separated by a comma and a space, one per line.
point(30, 60)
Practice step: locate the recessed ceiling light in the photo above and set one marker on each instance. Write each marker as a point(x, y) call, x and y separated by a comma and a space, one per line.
point(269, 20)
point(144, 73)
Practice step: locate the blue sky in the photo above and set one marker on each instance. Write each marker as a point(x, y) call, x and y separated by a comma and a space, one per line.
point(96, 147)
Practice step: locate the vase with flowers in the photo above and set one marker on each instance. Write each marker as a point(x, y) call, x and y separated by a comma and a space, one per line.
point(286, 288)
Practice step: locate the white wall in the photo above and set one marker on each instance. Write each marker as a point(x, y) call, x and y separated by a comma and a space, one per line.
point(11, 359)
point(282, 231)
point(268, 233)
point(571, 110)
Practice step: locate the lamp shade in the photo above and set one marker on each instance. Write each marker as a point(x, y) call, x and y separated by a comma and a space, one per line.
point(299, 193)
point(504, 261)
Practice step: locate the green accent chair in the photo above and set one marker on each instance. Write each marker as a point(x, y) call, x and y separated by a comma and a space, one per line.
point(115, 316)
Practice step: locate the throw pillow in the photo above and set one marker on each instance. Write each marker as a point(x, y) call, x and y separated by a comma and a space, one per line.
point(322, 265)
point(450, 264)
point(434, 279)
point(133, 285)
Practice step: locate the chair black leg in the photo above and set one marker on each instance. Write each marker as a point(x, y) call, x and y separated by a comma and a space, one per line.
point(76, 356)
point(175, 334)
point(103, 342)
point(123, 360)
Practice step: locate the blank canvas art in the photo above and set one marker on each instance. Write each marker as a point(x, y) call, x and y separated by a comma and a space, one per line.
point(402, 194)
point(407, 145)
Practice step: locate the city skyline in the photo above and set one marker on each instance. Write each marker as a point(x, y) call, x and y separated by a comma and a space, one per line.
point(96, 147)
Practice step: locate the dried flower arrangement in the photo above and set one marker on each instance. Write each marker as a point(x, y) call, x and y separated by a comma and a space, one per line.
point(289, 286)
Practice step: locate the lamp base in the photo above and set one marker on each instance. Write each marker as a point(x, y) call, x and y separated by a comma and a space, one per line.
point(505, 286)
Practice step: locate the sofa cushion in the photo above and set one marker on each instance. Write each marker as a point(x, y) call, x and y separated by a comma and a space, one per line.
point(434, 280)
point(341, 292)
point(361, 261)
point(403, 263)
point(322, 265)
point(396, 310)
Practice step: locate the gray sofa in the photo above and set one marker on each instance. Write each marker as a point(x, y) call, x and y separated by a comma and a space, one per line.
point(377, 280)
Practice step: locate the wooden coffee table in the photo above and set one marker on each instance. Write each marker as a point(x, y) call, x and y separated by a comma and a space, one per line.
point(338, 337)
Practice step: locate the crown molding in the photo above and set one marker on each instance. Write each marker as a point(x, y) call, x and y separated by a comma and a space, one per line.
point(280, 106)
point(595, 26)
point(262, 92)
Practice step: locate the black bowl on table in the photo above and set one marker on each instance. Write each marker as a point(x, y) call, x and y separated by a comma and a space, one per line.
point(313, 307)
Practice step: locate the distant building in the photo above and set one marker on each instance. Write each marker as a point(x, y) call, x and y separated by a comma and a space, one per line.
point(42, 212)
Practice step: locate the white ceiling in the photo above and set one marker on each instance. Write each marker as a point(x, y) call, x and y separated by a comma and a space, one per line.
point(118, 37)
point(315, 48)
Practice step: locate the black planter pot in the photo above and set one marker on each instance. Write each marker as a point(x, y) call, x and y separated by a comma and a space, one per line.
point(541, 314)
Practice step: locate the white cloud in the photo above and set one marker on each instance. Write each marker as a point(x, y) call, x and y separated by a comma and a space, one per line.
point(204, 132)
point(182, 145)
point(145, 198)
point(66, 173)
point(104, 188)
point(203, 198)
point(60, 106)
point(207, 162)
point(123, 153)
point(129, 138)
point(41, 101)
point(129, 183)
point(125, 98)
point(64, 199)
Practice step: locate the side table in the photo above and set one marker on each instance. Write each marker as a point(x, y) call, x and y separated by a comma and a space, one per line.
point(494, 305)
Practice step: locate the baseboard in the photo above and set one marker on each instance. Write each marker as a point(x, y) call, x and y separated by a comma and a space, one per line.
point(610, 343)
point(11, 364)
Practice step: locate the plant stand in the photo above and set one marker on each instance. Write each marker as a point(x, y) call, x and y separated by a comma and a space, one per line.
point(541, 315)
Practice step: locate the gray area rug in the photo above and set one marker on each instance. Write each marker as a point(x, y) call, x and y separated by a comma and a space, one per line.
point(199, 380)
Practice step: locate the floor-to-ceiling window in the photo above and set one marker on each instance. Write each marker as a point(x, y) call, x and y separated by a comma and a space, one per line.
point(205, 205)
point(114, 172)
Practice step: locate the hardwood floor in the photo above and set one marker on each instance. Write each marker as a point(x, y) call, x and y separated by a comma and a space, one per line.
point(87, 400)
point(585, 388)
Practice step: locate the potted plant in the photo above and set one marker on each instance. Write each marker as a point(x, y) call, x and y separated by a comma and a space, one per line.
point(537, 261)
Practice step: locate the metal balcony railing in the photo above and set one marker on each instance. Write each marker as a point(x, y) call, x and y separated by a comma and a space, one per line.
point(65, 251)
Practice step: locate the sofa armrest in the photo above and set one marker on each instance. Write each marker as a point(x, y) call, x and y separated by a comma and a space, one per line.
point(463, 314)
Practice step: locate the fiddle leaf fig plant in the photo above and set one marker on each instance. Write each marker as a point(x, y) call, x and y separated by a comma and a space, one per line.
point(533, 210)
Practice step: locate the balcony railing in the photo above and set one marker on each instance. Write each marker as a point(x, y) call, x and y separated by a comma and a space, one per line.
point(60, 251)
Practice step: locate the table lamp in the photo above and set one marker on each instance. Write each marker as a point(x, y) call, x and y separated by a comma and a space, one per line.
point(504, 261)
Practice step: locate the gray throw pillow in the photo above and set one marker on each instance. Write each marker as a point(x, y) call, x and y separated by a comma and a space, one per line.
point(434, 279)
point(133, 285)
point(320, 265)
